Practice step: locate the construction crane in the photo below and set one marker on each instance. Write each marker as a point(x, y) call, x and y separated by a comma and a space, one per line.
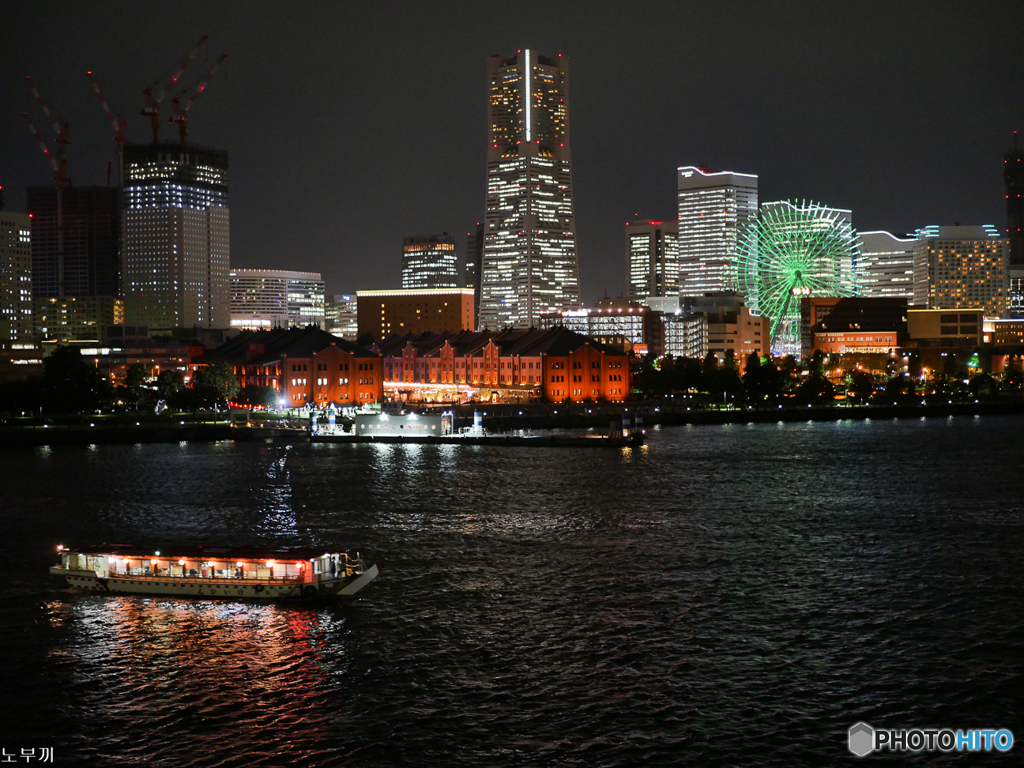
point(152, 108)
point(120, 126)
point(181, 111)
point(59, 163)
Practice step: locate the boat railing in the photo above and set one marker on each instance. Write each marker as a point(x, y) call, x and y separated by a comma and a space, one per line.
point(298, 579)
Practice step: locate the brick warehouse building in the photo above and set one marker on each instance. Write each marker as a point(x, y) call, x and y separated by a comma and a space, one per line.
point(305, 365)
point(555, 365)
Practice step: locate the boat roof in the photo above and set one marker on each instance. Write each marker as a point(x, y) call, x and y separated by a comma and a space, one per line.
point(200, 552)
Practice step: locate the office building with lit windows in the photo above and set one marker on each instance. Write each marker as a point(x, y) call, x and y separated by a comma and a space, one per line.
point(885, 268)
point(962, 267)
point(714, 209)
point(652, 259)
point(275, 298)
point(342, 318)
point(176, 252)
point(529, 258)
point(15, 278)
point(429, 261)
point(19, 356)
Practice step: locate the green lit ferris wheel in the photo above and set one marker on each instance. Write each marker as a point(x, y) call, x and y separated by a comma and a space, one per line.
point(791, 251)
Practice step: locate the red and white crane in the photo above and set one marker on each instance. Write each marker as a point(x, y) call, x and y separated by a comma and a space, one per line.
point(120, 126)
point(152, 108)
point(181, 110)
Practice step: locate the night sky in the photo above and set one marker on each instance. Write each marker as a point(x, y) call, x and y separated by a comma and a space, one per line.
point(352, 125)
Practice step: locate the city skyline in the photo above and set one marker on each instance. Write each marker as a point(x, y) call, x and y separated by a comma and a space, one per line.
point(806, 124)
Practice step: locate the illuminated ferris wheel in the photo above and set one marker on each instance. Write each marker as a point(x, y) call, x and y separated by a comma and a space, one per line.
point(791, 251)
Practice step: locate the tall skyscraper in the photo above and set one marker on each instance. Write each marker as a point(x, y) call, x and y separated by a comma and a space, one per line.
point(79, 256)
point(15, 280)
point(430, 261)
point(275, 298)
point(886, 266)
point(714, 209)
point(529, 263)
point(474, 265)
point(962, 267)
point(652, 259)
point(177, 248)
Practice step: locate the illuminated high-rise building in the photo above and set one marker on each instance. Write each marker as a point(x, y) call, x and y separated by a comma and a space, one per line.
point(276, 298)
point(177, 246)
point(430, 261)
point(885, 269)
point(652, 259)
point(714, 210)
point(15, 279)
point(529, 261)
point(962, 267)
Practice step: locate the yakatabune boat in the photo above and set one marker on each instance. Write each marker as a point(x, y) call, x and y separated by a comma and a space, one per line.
point(213, 572)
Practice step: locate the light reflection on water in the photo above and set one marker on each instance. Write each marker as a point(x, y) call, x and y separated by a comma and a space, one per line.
point(688, 603)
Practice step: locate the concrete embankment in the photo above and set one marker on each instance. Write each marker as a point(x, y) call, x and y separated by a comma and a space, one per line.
point(537, 416)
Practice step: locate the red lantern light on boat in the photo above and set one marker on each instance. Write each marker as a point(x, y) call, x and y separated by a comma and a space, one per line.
point(270, 563)
point(239, 563)
point(181, 562)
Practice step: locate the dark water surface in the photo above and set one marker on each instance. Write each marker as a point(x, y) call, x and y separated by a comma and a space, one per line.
point(734, 595)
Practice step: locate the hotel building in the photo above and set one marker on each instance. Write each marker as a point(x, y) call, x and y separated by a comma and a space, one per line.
point(267, 298)
point(962, 267)
point(529, 259)
point(438, 310)
point(176, 253)
point(714, 208)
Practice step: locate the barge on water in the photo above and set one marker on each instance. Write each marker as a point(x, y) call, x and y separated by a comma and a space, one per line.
point(439, 430)
point(213, 572)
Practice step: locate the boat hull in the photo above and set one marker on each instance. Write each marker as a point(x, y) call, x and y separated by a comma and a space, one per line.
point(221, 589)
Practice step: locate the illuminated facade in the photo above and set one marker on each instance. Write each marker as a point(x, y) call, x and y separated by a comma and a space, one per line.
point(529, 257)
point(652, 259)
point(714, 211)
point(855, 325)
point(429, 261)
point(269, 298)
point(556, 365)
point(962, 267)
point(305, 365)
point(176, 251)
point(886, 266)
point(438, 310)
